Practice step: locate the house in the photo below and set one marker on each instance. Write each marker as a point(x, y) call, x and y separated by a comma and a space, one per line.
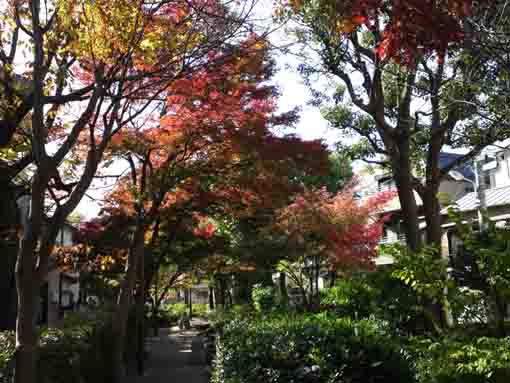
point(457, 189)
point(60, 290)
point(450, 189)
point(496, 190)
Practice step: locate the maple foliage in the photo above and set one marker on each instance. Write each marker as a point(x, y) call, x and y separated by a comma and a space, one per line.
point(212, 155)
point(100, 246)
point(214, 143)
point(409, 27)
point(339, 226)
point(205, 228)
point(152, 32)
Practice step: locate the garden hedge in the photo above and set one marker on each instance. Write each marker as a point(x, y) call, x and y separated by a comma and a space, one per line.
point(308, 348)
point(81, 352)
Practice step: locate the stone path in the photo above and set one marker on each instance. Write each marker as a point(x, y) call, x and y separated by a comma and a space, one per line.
point(176, 356)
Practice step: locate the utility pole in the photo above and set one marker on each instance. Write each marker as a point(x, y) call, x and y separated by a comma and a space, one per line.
point(480, 193)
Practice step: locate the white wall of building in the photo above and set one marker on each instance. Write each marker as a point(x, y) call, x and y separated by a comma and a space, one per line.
point(500, 176)
point(65, 236)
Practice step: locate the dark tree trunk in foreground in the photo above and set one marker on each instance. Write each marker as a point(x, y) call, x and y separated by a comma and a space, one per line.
point(284, 294)
point(124, 303)
point(211, 298)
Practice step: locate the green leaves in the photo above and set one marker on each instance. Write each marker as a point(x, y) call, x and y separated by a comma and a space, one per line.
point(7, 350)
point(303, 348)
point(450, 360)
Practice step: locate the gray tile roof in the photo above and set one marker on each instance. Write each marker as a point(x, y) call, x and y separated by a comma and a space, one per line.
point(493, 197)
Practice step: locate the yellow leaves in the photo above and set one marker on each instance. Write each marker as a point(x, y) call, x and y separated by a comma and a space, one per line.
point(102, 29)
point(147, 44)
point(8, 68)
point(260, 45)
point(8, 154)
point(148, 236)
point(106, 262)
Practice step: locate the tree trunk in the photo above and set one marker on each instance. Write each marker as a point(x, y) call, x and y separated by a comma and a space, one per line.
point(332, 278)
point(229, 299)
point(317, 275)
point(432, 212)
point(26, 337)
point(211, 298)
point(306, 302)
point(402, 173)
point(27, 285)
point(124, 302)
point(140, 313)
point(284, 294)
point(500, 313)
point(220, 294)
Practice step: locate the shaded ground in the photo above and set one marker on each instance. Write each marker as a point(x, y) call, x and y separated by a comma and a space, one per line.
point(176, 356)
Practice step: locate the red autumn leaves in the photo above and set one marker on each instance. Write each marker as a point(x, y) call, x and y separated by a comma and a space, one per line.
point(343, 227)
point(405, 29)
point(423, 27)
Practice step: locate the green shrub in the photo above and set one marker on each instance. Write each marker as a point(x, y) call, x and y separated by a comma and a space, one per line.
point(174, 311)
point(60, 351)
point(308, 348)
point(200, 310)
point(350, 297)
point(395, 302)
point(7, 348)
point(81, 351)
point(454, 360)
point(263, 297)
point(374, 295)
point(170, 313)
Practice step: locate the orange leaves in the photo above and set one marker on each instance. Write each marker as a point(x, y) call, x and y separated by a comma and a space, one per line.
point(68, 258)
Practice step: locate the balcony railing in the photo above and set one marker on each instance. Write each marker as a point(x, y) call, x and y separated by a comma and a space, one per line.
point(400, 238)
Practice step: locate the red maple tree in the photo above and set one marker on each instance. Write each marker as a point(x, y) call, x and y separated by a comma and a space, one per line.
point(217, 123)
point(341, 227)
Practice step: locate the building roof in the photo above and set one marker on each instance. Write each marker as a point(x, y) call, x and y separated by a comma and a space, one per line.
point(445, 159)
point(493, 197)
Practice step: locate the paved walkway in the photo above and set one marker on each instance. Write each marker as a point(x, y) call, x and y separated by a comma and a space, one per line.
point(176, 356)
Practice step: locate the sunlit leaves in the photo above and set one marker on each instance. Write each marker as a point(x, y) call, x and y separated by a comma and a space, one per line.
point(406, 28)
point(103, 31)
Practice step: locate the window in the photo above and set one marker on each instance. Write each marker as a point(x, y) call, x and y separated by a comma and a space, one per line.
point(487, 180)
point(387, 184)
point(385, 232)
